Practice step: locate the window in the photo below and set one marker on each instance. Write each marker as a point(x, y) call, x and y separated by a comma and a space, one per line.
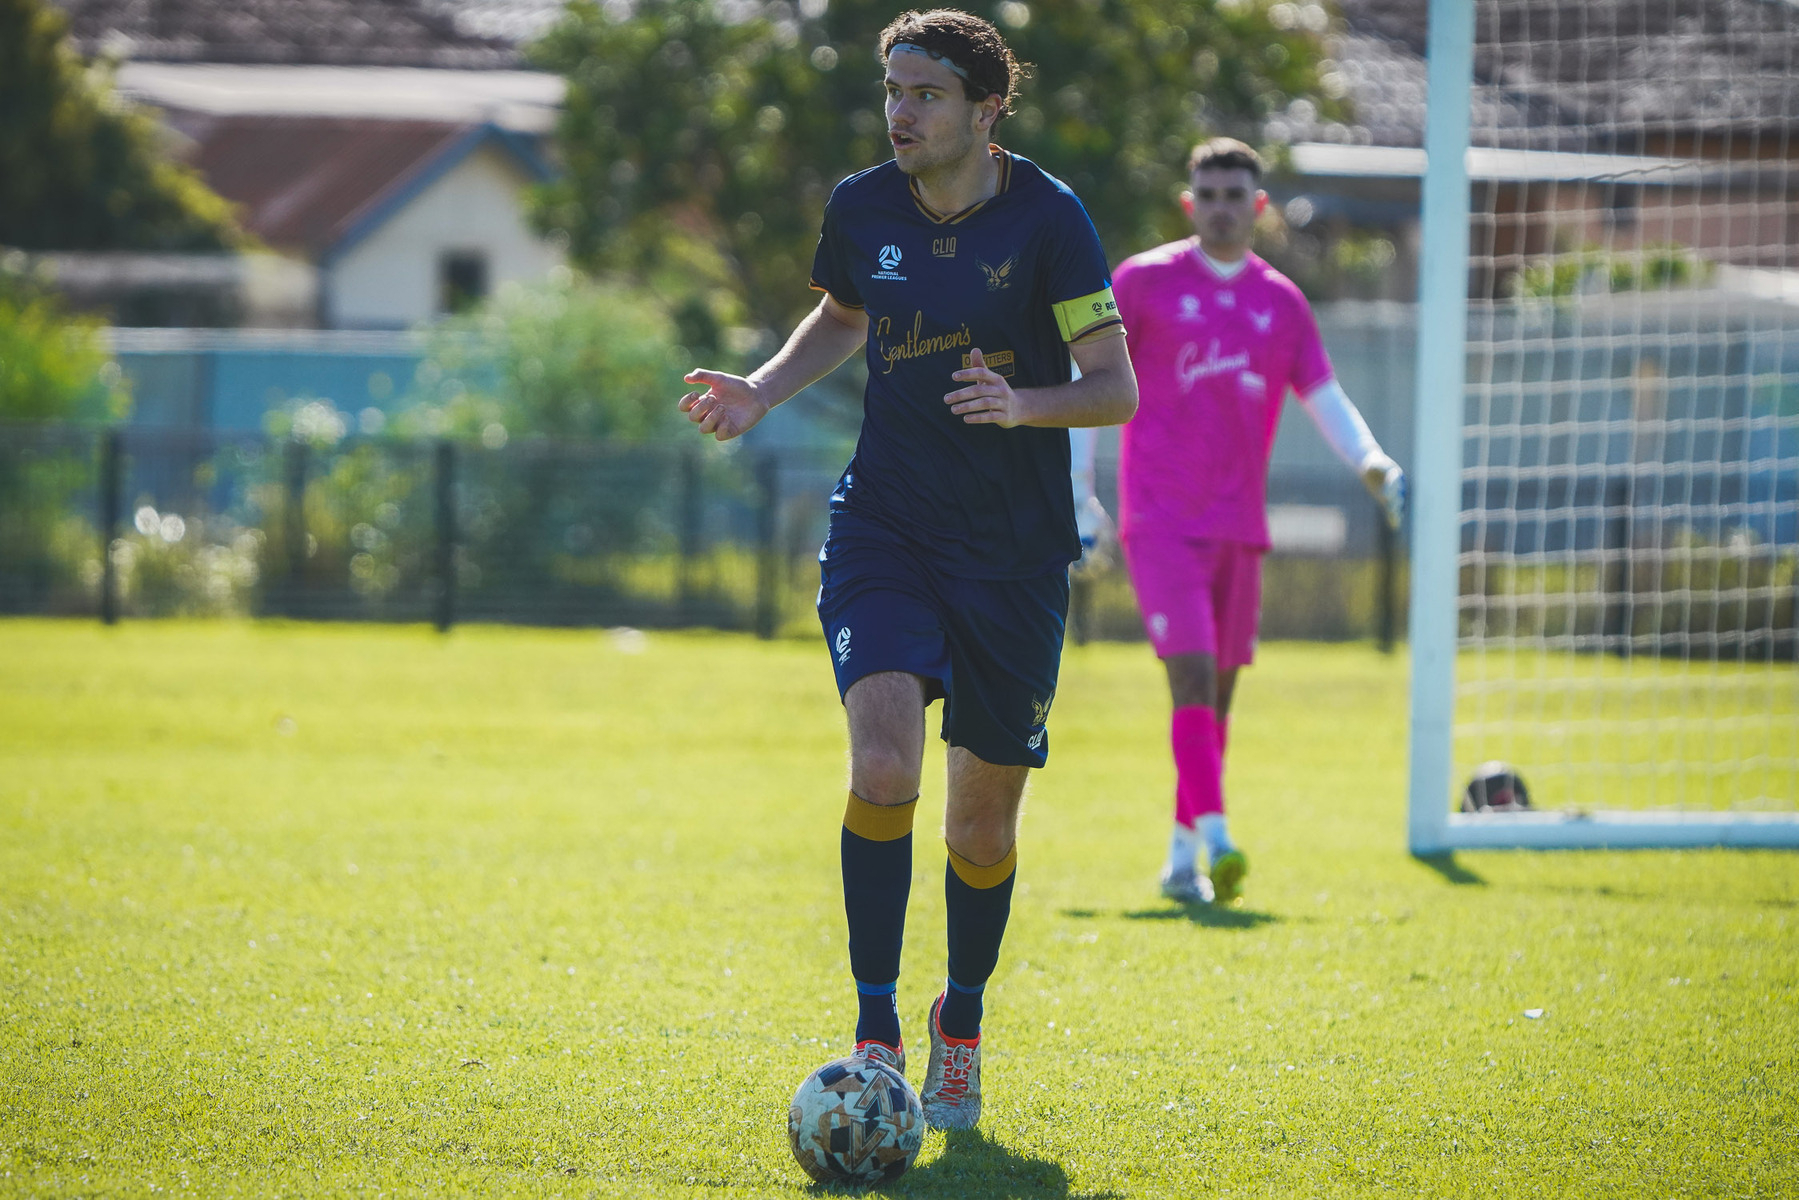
point(461, 280)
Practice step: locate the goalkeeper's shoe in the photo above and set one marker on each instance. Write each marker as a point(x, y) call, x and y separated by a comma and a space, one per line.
point(952, 1082)
point(1228, 870)
point(1186, 887)
point(881, 1052)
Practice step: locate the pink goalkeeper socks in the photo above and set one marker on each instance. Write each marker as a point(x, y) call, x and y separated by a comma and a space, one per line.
point(1198, 764)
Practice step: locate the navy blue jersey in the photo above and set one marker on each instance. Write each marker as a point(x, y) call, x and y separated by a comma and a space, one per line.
point(1018, 276)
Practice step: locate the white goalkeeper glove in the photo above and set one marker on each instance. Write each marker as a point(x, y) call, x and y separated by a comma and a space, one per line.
point(1386, 483)
point(1098, 537)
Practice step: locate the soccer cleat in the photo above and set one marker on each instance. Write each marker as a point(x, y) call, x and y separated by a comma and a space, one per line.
point(1186, 887)
point(952, 1081)
point(1228, 870)
point(881, 1052)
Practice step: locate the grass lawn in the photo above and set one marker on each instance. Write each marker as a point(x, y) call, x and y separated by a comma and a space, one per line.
point(310, 911)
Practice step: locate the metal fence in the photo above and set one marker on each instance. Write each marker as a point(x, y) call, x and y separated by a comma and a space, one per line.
point(144, 522)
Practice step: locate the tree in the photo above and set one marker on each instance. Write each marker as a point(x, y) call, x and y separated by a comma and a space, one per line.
point(571, 358)
point(701, 138)
point(53, 366)
point(78, 171)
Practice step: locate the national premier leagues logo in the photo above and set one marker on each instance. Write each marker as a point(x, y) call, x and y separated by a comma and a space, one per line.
point(889, 259)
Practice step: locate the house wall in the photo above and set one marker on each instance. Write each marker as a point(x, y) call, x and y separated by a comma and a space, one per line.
point(390, 280)
point(1515, 224)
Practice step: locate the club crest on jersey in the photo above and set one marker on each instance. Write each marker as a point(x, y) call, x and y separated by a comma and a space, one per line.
point(998, 277)
point(1039, 717)
point(1261, 320)
point(889, 258)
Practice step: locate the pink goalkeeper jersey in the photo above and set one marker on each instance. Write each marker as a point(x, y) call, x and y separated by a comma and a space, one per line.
point(1214, 359)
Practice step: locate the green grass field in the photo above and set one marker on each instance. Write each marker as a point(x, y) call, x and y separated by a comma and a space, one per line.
point(315, 911)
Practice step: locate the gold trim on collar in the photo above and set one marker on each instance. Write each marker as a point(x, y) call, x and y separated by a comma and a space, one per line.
point(940, 218)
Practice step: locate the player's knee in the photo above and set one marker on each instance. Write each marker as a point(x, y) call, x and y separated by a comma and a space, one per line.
point(884, 775)
point(1192, 680)
point(983, 835)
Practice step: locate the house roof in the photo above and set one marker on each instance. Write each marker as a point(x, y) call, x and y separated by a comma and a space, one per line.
point(1601, 76)
point(337, 32)
point(522, 101)
point(318, 185)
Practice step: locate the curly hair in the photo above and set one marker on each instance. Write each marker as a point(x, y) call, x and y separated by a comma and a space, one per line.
point(969, 42)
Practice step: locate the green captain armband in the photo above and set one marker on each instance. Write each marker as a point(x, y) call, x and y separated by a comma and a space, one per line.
point(1086, 315)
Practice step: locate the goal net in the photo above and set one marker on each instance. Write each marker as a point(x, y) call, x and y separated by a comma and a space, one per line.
point(1606, 552)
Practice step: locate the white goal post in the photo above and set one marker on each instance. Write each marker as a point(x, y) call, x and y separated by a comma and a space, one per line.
point(1605, 529)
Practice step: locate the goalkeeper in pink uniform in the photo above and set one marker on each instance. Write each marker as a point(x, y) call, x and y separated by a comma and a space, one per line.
point(1217, 338)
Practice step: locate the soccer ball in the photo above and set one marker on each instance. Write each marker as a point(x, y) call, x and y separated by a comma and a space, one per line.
point(855, 1121)
point(1496, 787)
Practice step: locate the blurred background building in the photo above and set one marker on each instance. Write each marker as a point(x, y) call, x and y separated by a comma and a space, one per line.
point(380, 155)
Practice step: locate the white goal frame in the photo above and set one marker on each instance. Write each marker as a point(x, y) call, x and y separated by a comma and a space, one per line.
point(1433, 828)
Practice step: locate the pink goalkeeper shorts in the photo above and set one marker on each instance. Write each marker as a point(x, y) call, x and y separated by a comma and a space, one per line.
point(1197, 596)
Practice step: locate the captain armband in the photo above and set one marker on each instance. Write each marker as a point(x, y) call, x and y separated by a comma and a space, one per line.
point(1087, 316)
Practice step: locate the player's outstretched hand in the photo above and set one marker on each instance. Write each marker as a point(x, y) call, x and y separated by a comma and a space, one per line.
point(1386, 483)
point(727, 408)
point(988, 399)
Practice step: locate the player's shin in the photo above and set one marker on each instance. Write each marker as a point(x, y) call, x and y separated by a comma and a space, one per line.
point(1198, 764)
point(876, 850)
point(978, 901)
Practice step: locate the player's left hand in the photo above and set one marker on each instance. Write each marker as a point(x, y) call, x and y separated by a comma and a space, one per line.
point(1386, 483)
point(988, 400)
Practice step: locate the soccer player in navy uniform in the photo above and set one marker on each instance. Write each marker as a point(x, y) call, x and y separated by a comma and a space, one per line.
point(969, 278)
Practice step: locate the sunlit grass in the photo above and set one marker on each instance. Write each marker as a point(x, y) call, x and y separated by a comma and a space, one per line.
point(1595, 731)
point(314, 910)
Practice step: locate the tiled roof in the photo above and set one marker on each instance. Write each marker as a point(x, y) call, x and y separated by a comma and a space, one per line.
point(1566, 76)
point(304, 182)
point(338, 32)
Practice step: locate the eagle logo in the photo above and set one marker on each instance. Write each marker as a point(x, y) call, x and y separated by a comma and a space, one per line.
point(1040, 708)
point(998, 277)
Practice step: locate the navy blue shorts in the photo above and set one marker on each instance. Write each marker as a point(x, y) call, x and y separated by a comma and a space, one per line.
point(990, 648)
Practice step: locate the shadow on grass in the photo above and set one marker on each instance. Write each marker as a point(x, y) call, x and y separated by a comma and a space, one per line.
point(972, 1166)
point(1451, 870)
point(1212, 916)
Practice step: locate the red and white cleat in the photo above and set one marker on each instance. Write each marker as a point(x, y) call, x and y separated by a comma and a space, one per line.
point(952, 1081)
point(881, 1052)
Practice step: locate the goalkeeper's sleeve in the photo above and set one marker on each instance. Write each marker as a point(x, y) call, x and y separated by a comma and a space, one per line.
point(1082, 444)
point(1342, 425)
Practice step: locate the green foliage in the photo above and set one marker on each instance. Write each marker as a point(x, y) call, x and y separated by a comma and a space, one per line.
point(78, 170)
point(324, 910)
point(1330, 261)
point(53, 366)
point(169, 566)
point(1656, 267)
point(570, 358)
point(701, 140)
